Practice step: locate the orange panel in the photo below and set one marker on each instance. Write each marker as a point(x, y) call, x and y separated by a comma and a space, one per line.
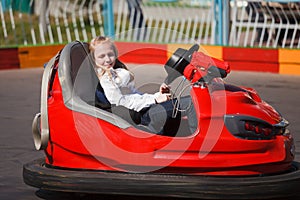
point(213, 51)
point(289, 61)
point(291, 69)
point(171, 48)
point(289, 56)
point(37, 56)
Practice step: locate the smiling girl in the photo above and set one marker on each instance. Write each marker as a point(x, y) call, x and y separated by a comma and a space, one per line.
point(152, 110)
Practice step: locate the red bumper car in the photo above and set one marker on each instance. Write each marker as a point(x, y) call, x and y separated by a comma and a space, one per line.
point(241, 148)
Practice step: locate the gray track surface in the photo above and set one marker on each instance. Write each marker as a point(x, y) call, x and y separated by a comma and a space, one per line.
point(20, 100)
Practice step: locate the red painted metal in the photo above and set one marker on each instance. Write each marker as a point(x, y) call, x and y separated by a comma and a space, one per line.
point(81, 141)
point(252, 59)
point(142, 53)
point(9, 58)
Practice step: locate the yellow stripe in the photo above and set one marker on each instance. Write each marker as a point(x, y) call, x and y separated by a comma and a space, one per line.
point(214, 51)
point(291, 69)
point(37, 56)
point(289, 56)
point(289, 61)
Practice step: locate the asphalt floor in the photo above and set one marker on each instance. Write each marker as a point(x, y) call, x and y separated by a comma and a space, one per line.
point(19, 102)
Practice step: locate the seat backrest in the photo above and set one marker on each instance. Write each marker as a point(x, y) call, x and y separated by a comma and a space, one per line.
point(82, 73)
point(79, 76)
point(79, 82)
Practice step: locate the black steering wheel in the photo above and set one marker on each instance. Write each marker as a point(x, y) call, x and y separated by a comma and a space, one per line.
point(178, 61)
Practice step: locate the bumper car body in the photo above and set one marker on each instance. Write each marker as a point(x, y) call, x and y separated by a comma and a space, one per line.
point(240, 141)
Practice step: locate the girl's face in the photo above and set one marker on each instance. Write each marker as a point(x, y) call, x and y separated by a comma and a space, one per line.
point(105, 55)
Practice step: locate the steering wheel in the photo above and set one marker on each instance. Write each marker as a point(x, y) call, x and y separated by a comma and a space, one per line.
point(178, 61)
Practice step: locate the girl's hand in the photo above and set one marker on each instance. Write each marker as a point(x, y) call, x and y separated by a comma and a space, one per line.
point(164, 88)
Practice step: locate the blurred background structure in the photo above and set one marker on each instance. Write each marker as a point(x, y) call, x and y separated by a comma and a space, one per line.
point(246, 23)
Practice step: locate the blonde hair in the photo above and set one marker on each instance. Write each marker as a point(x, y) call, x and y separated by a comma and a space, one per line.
point(101, 40)
point(98, 41)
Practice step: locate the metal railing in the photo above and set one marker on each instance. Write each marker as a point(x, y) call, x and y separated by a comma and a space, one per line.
point(250, 23)
point(265, 24)
point(165, 23)
point(62, 21)
point(173, 21)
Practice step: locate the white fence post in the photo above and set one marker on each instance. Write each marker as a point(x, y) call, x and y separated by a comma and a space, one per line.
point(253, 22)
point(265, 23)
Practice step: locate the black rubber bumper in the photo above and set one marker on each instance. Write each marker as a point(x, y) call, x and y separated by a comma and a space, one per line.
point(162, 185)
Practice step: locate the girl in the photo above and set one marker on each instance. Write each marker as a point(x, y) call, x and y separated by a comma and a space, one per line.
point(151, 110)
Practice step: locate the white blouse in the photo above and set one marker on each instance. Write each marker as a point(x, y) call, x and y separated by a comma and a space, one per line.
point(114, 90)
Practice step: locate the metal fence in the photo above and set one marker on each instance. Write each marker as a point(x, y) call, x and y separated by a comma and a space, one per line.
point(245, 23)
point(265, 24)
point(165, 22)
point(64, 21)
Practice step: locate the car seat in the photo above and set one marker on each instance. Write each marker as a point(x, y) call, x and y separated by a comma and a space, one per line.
point(79, 82)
